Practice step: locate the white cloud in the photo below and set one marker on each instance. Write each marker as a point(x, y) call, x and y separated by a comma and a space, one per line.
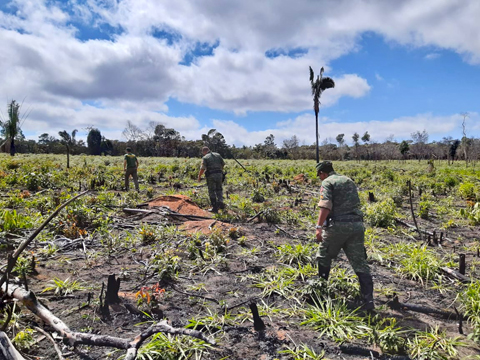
point(432, 56)
point(136, 74)
point(304, 128)
point(111, 121)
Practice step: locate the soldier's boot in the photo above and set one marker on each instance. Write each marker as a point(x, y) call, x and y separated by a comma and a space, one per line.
point(214, 208)
point(366, 290)
point(221, 205)
point(323, 272)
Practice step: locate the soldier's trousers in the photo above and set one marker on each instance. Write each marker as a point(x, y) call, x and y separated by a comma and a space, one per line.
point(133, 173)
point(215, 190)
point(347, 236)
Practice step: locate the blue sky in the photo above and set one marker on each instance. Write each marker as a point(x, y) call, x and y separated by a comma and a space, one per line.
point(399, 67)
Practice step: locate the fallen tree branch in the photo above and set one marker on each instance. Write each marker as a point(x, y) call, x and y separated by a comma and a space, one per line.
point(55, 345)
point(396, 305)
point(29, 300)
point(255, 216)
point(13, 259)
point(455, 274)
point(7, 350)
point(423, 231)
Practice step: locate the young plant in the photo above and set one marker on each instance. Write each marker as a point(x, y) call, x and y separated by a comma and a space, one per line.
point(302, 352)
point(434, 345)
point(334, 319)
point(64, 287)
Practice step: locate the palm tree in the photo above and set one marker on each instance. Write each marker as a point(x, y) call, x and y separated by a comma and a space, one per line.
point(318, 86)
point(68, 140)
point(11, 127)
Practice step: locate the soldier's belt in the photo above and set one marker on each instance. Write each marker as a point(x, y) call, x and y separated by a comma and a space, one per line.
point(331, 221)
point(208, 173)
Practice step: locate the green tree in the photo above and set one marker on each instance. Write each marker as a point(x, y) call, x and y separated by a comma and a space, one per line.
point(404, 147)
point(355, 138)
point(11, 127)
point(318, 86)
point(94, 141)
point(68, 140)
point(216, 142)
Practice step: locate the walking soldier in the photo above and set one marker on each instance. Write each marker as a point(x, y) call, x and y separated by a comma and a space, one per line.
point(340, 226)
point(212, 166)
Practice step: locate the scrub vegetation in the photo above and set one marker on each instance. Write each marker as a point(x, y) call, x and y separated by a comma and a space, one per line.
point(205, 273)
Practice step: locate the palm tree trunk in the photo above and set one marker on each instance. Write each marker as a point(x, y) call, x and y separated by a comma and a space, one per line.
point(12, 147)
point(68, 157)
point(316, 135)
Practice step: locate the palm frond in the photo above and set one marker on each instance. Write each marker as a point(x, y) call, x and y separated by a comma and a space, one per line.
point(327, 83)
point(311, 74)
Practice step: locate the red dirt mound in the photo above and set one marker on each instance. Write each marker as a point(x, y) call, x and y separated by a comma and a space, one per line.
point(300, 178)
point(205, 227)
point(179, 203)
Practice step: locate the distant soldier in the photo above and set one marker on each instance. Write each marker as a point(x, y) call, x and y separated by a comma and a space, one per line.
point(212, 166)
point(341, 220)
point(130, 165)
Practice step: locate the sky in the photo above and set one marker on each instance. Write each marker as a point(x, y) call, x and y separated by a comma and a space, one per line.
point(241, 67)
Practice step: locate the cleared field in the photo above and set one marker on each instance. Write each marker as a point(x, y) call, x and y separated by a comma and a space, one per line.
point(203, 272)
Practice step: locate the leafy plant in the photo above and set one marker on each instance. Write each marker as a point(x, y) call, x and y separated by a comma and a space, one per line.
point(13, 222)
point(296, 254)
point(434, 345)
point(334, 319)
point(472, 214)
point(64, 287)
point(24, 339)
point(302, 352)
point(380, 214)
point(169, 347)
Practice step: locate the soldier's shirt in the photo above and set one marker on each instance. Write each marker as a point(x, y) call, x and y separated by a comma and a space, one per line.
point(212, 161)
point(339, 194)
point(131, 160)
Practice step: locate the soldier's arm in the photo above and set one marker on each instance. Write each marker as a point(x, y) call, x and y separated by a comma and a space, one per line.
point(325, 205)
point(124, 164)
point(202, 170)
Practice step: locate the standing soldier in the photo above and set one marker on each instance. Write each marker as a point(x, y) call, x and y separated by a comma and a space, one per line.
point(212, 166)
point(340, 226)
point(130, 165)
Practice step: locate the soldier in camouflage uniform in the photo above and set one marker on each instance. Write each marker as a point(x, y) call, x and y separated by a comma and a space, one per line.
point(212, 166)
point(130, 166)
point(340, 226)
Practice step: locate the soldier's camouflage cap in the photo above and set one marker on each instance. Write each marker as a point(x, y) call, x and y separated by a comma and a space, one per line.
point(324, 166)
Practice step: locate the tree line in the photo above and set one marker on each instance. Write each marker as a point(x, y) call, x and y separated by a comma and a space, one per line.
point(159, 140)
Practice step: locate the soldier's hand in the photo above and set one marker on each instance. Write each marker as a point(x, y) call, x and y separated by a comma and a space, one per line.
point(318, 235)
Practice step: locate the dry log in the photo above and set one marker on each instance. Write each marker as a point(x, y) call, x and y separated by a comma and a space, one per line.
point(29, 300)
point(455, 274)
point(137, 211)
point(396, 305)
point(7, 350)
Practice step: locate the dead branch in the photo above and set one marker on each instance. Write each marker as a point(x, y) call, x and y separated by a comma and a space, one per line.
point(455, 274)
point(7, 350)
point(29, 300)
point(424, 231)
point(13, 260)
point(55, 345)
point(255, 216)
point(396, 305)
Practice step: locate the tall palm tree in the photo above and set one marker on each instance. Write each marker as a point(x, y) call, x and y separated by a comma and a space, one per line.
point(68, 140)
point(318, 86)
point(11, 127)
